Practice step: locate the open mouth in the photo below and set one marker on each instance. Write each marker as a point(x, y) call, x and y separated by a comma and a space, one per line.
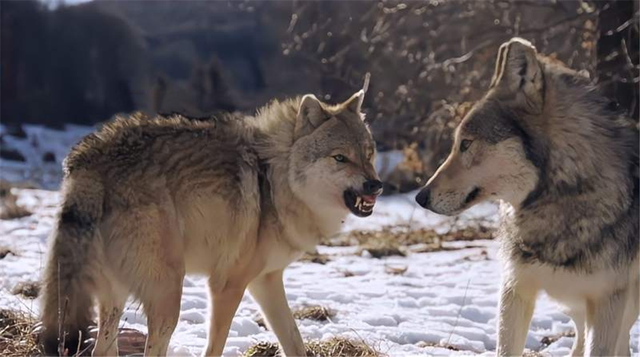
point(359, 204)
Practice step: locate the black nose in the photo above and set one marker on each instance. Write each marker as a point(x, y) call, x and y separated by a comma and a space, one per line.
point(372, 187)
point(423, 197)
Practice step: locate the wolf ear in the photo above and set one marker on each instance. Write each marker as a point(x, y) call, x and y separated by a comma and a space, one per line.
point(519, 72)
point(311, 115)
point(354, 104)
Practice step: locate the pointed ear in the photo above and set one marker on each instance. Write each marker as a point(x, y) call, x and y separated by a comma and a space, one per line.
point(311, 115)
point(354, 104)
point(519, 73)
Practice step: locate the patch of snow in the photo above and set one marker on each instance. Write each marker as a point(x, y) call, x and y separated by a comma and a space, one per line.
point(442, 298)
point(40, 141)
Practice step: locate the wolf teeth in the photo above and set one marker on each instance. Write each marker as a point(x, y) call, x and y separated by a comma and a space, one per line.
point(363, 205)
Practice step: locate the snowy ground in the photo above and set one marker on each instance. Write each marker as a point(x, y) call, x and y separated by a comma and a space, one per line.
point(38, 144)
point(448, 296)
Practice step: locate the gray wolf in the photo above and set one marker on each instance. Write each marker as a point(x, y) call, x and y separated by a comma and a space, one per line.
point(148, 200)
point(564, 166)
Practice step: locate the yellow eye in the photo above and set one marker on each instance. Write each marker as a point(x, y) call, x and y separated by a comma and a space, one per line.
point(464, 145)
point(340, 158)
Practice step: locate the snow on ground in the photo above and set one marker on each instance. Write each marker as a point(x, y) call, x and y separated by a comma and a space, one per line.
point(448, 296)
point(39, 142)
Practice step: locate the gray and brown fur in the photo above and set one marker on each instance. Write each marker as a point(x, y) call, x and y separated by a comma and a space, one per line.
point(564, 165)
point(148, 200)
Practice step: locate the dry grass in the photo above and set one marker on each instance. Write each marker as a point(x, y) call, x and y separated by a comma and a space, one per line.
point(343, 240)
point(482, 256)
point(9, 209)
point(312, 312)
point(333, 347)
point(476, 231)
point(27, 289)
point(404, 235)
point(17, 336)
point(547, 340)
point(346, 273)
point(341, 346)
point(263, 349)
point(534, 354)
point(394, 240)
point(380, 248)
point(396, 270)
point(5, 251)
point(315, 312)
point(398, 240)
point(315, 258)
point(439, 345)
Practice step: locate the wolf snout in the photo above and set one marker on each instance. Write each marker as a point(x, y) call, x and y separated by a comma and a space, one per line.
point(372, 187)
point(423, 197)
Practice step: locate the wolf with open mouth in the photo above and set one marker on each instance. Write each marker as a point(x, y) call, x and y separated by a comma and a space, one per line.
point(147, 200)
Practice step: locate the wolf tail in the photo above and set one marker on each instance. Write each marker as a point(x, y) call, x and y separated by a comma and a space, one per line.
point(68, 280)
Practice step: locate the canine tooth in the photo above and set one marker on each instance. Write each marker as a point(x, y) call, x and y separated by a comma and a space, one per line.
point(357, 201)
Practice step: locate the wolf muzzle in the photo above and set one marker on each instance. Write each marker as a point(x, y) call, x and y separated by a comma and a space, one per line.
point(372, 187)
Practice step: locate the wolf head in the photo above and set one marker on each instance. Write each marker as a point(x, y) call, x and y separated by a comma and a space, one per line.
point(331, 162)
point(541, 127)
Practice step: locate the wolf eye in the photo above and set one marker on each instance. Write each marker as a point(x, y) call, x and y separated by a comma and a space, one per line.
point(464, 145)
point(340, 158)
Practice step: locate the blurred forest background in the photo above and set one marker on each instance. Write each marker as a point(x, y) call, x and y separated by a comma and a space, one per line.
point(429, 60)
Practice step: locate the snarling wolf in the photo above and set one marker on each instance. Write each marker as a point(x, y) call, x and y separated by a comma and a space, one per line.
point(147, 200)
point(564, 166)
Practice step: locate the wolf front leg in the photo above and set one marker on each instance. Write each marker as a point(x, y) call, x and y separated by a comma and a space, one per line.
point(225, 303)
point(579, 319)
point(605, 317)
point(268, 291)
point(515, 309)
point(630, 316)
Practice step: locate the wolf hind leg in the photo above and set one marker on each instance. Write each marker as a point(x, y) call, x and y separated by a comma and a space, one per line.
point(162, 308)
point(147, 250)
point(111, 302)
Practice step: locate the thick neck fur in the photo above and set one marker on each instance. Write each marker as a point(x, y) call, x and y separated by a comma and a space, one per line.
point(301, 227)
point(584, 211)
